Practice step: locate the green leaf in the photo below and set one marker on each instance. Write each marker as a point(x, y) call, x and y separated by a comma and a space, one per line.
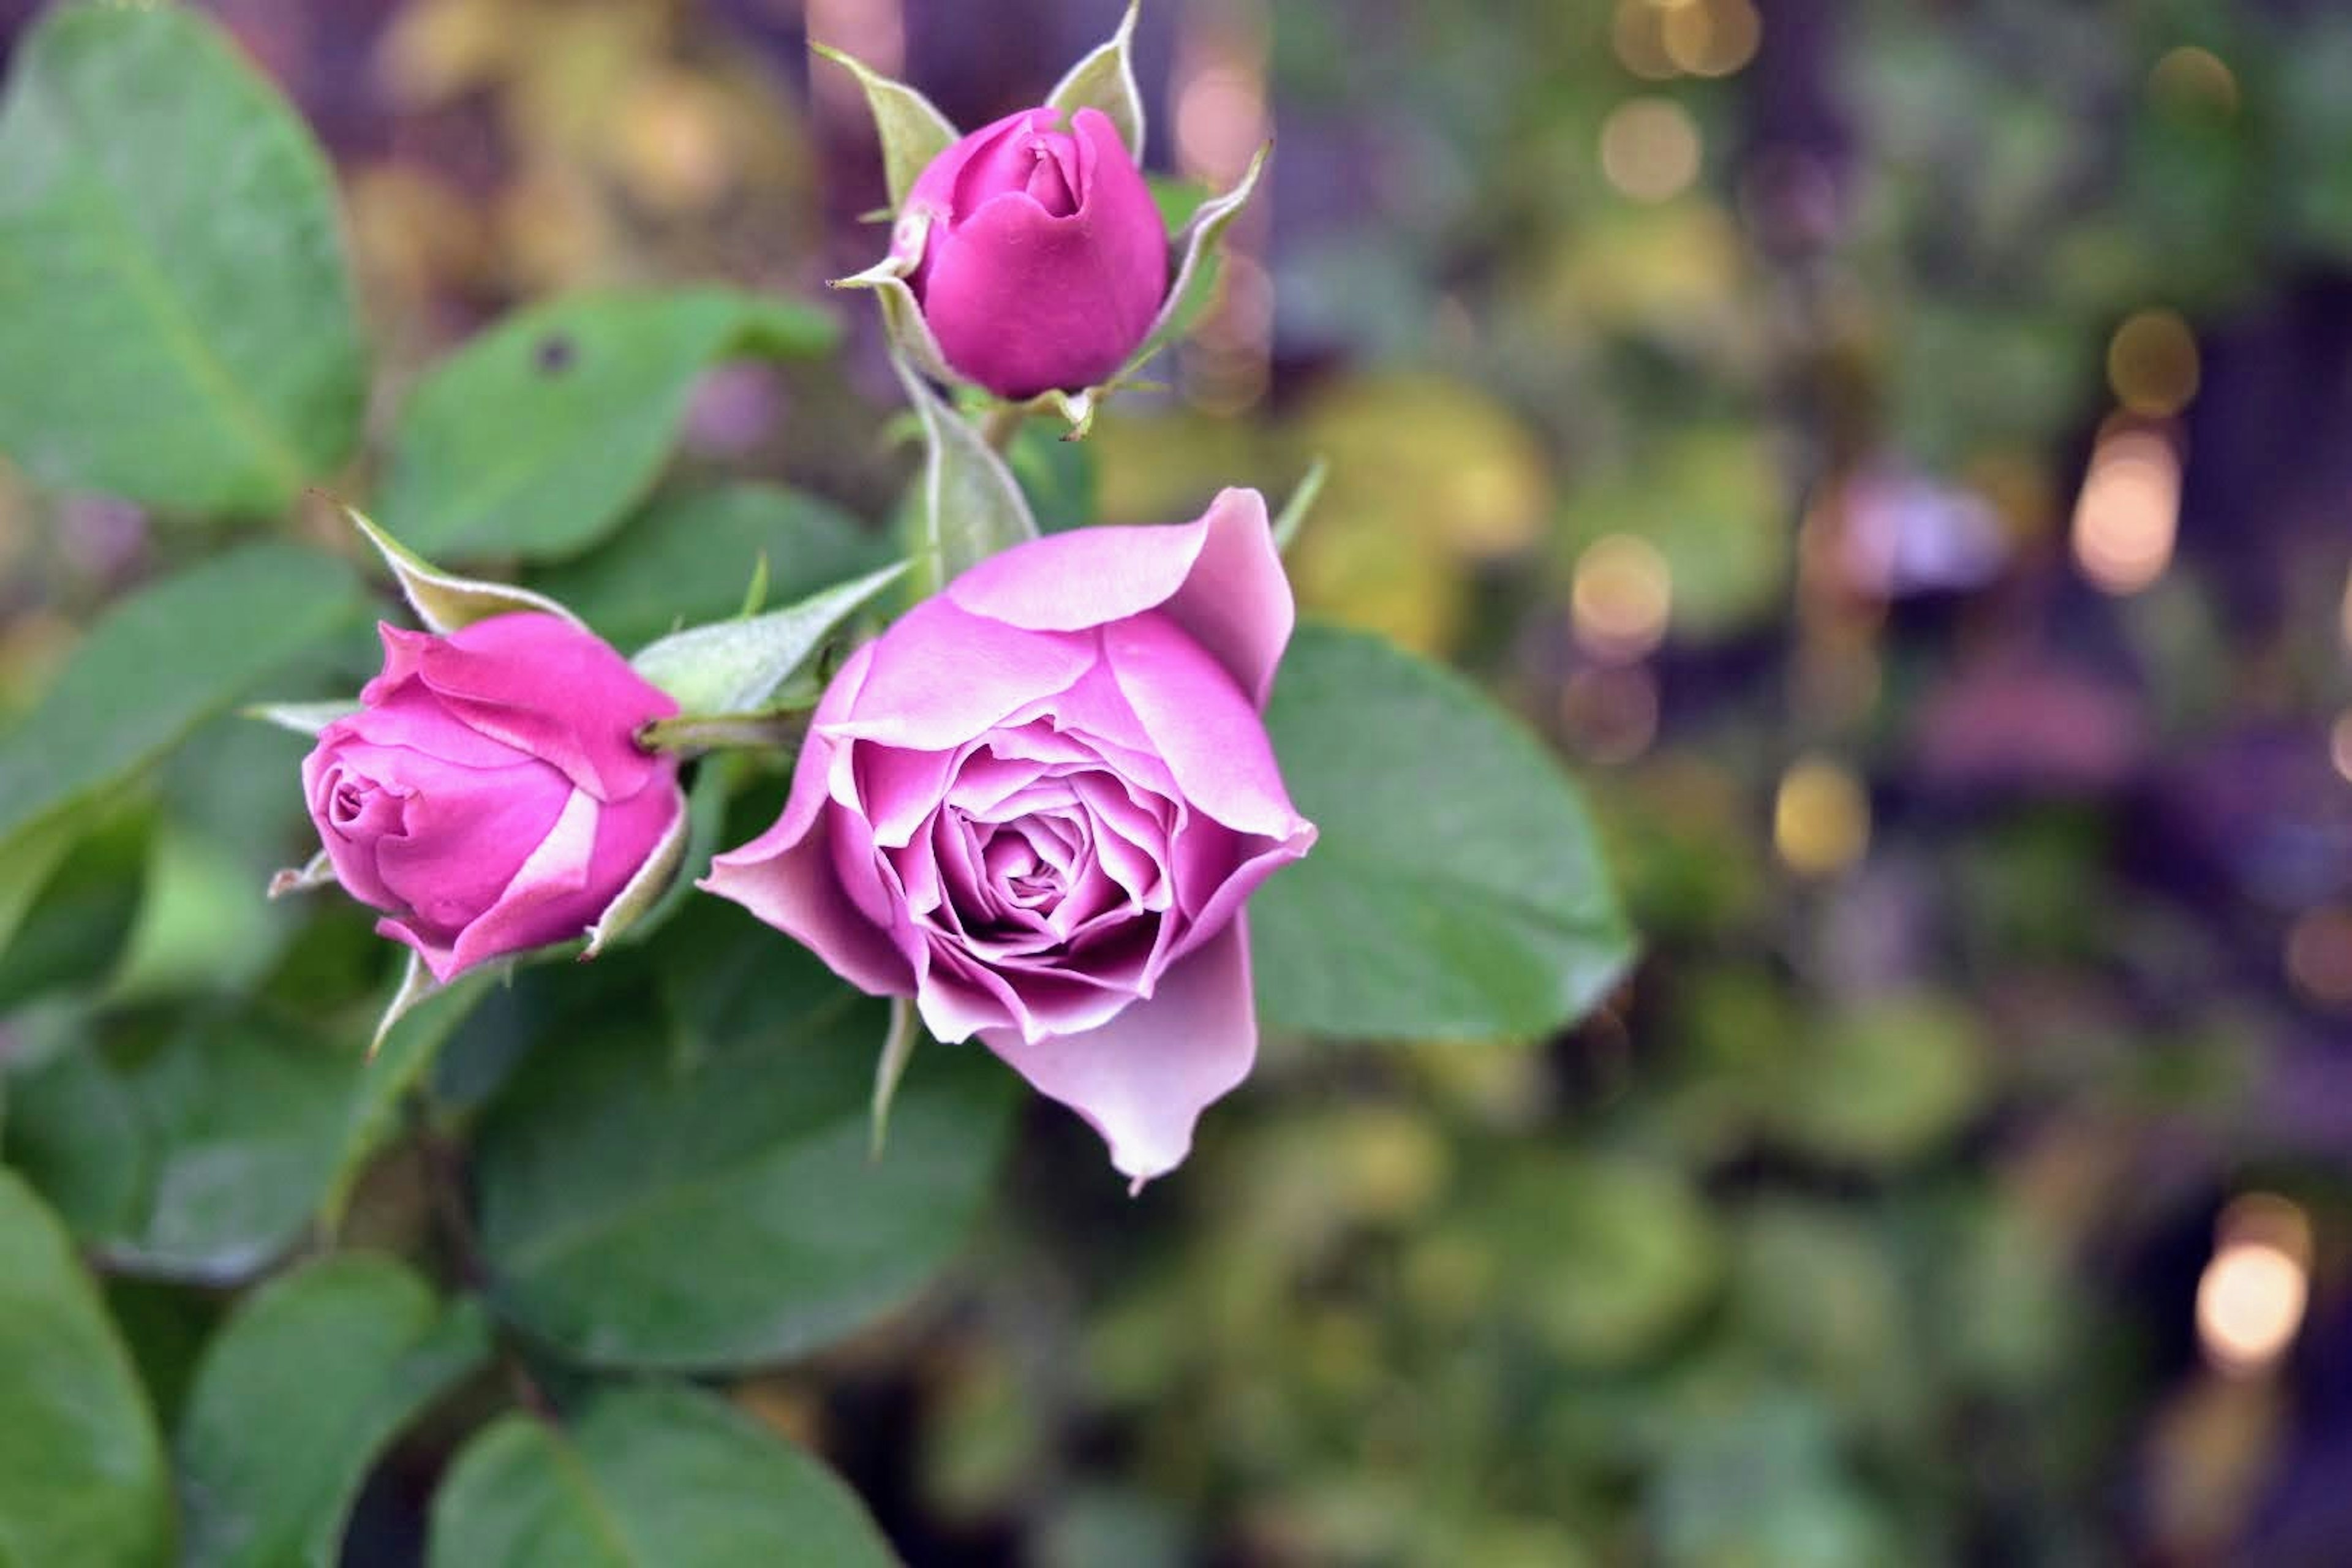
point(685, 559)
point(537, 437)
point(1105, 80)
point(1455, 890)
point(177, 317)
point(198, 1153)
point(713, 1203)
point(912, 130)
point(75, 927)
point(82, 1478)
point(735, 666)
point(399, 1062)
point(302, 1387)
point(972, 506)
point(650, 1476)
point(157, 664)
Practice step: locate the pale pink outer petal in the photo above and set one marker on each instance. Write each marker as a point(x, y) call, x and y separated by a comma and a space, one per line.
point(1204, 728)
point(1219, 577)
point(786, 877)
point(1142, 1080)
point(942, 675)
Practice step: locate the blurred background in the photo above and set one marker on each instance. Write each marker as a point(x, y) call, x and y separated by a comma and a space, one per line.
point(1901, 454)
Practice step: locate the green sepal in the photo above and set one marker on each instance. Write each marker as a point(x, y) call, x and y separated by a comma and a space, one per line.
point(416, 983)
point(1105, 80)
point(444, 601)
point(1208, 224)
point(643, 889)
point(735, 666)
point(898, 1048)
point(1293, 516)
point(302, 718)
point(972, 505)
point(911, 128)
point(319, 871)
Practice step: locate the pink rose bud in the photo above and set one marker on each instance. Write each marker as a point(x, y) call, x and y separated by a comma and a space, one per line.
point(490, 796)
point(1044, 262)
point(1038, 803)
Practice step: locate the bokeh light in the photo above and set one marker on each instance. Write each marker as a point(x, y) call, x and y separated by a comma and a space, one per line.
point(2152, 364)
point(1821, 818)
point(2251, 1299)
point(1649, 149)
point(2193, 78)
point(2129, 510)
point(1622, 597)
point(2319, 956)
point(2340, 745)
point(1710, 38)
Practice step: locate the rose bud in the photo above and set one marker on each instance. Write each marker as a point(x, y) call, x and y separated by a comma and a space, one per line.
point(1038, 803)
point(490, 796)
point(1044, 259)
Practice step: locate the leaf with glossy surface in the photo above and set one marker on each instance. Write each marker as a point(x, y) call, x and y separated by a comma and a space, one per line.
point(82, 1478)
point(537, 437)
point(1455, 890)
point(135, 686)
point(735, 666)
point(178, 323)
point(649, 1476)
point(196, 1155)
point(302, 1387)
point(712, 1203)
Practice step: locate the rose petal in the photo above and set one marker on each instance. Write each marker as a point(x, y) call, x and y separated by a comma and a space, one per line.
point(1022, 301)
point(544, 901)
point(539, 683)
point(1219, 578)
point(942, 677)
point(467, 832)
point(1143, 1079)
point(1205, 729)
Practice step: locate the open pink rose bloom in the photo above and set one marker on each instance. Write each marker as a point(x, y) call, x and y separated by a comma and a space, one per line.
point(1044, 262)
point(1038, 803)
point(490, 795)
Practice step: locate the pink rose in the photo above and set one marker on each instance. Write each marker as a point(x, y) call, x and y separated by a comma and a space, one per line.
point(490, 796)
point(1037, 805)
point(1044, 261)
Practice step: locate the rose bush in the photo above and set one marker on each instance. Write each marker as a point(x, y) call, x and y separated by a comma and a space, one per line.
point(490, 795)
point(1038, 803)
point(1037, 253)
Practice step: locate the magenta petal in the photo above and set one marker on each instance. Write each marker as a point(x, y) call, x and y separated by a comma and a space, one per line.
point(549, 899)
point(407, 713)
point(467, 832)
point(1208, 732)
point(544, 686)
point(1143, 1079)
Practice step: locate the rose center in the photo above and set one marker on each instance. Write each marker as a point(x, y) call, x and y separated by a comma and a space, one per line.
point(348, 803)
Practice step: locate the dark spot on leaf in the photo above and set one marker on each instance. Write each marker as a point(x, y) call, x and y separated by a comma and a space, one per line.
point(555, 354)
